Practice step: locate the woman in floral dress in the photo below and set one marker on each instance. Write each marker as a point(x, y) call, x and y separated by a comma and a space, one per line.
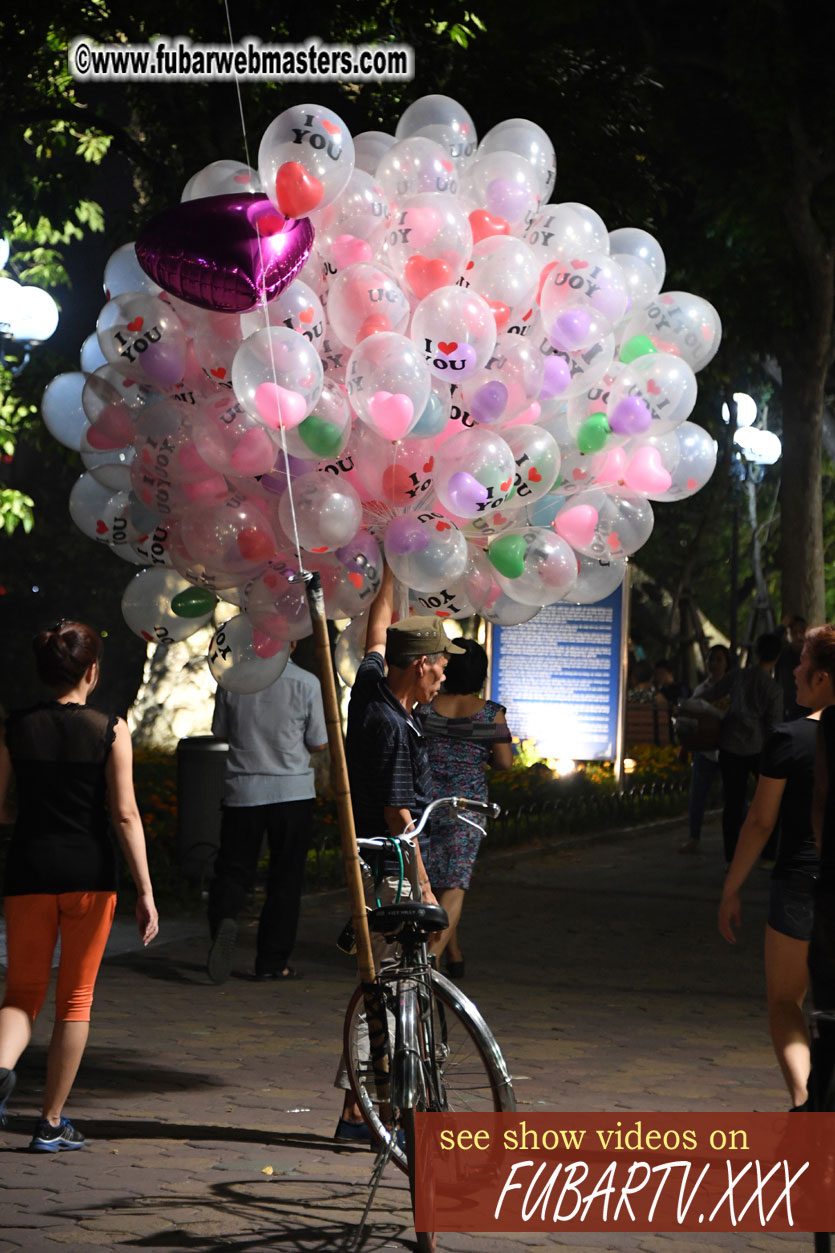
point(465, 733)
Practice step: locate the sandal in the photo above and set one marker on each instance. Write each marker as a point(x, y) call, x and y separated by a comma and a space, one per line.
point(276, 976)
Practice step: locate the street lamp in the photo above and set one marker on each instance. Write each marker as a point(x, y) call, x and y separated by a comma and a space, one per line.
point(754, 449)
point(28, 316)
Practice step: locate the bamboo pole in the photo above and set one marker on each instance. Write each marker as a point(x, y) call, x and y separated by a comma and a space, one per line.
point(375, 1010)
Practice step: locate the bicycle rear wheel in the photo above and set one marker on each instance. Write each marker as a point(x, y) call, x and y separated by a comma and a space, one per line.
point(469, 1073)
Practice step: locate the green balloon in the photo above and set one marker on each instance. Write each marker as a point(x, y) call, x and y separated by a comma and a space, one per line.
point(194, 602)
point(593, 434)
point(507, 555)
point(637, 346)
point(321, 437)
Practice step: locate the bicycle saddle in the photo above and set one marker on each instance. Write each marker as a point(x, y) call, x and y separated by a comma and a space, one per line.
point(388, 919)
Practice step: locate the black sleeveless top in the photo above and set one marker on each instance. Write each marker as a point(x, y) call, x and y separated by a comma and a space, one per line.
point(61, 840)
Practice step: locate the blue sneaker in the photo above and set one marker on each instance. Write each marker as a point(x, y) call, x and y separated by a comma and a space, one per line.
point(8, 1079)
point(49, 1139)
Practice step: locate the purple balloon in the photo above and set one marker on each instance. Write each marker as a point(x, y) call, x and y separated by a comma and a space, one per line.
point(570, 330)
point(361, 553)
point(406, 535)
point(506, 199)
point(223, 252)
point(465, 492)
point(557, 377)
point(630, 416)
point(489, 402)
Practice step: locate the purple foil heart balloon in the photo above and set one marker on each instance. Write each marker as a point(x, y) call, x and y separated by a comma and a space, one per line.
point(222, 252)
point(489, 402)
point(405, 535)
point(630, 416)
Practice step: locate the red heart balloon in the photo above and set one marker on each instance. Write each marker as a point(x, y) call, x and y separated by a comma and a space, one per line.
point(484, 224)
point(297, 193)
point(425, 276)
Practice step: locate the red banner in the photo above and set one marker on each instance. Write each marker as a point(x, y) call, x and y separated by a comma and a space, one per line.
point(633, 1172)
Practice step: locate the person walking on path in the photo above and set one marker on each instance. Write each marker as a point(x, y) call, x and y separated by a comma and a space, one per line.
point(388, 762)
point(705, 764)
point(69, 764)
point(269, 788)
point(784, 791)
point(756, 706)
point(466, 733)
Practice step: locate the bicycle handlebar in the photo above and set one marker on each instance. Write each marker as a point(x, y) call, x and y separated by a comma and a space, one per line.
point(452, 802)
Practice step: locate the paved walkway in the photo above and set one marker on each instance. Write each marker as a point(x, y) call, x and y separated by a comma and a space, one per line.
point(210, 1112)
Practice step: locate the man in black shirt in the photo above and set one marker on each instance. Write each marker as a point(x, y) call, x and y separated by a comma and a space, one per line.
point(388, 765)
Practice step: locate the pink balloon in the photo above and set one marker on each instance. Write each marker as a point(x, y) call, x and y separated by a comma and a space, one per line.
point(391, 413)
point(613, 468)
point(224, 252)
point(645, 472)
point(349, 250)
point(278, 406)
point(254, 453)
point(576, 525)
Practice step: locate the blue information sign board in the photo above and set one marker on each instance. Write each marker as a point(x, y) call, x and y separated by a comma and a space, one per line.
point(558, 676)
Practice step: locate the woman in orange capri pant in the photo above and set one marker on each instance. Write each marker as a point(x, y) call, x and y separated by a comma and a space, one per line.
point(70, 764)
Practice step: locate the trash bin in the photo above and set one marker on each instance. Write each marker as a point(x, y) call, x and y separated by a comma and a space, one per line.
point(201, 766)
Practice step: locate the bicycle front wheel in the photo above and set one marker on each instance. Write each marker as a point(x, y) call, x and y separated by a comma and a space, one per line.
point(466, 1072)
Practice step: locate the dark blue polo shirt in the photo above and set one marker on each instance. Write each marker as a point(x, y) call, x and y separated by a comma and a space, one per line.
point(388, 763)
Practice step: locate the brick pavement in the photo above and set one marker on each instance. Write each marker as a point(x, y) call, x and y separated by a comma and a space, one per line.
point(210, 1111)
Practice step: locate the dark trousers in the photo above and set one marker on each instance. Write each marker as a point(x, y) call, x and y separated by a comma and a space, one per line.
point(701, 781)
point(735, 770)
point(289, 829)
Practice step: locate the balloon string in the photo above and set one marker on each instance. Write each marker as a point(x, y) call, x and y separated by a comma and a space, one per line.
point(273, 367)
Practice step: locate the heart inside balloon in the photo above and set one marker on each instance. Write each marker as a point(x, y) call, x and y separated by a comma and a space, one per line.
point(224, 252)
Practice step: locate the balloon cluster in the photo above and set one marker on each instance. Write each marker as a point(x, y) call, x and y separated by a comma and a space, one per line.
point(398, 342)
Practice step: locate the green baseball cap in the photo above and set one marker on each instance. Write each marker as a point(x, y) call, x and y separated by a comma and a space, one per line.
point(418, 637)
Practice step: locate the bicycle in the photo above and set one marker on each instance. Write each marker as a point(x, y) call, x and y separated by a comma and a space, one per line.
point(443, 1056)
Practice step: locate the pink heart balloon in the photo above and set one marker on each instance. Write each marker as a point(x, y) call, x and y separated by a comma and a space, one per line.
point(391, 414)
point(348, 250)
point(278, 406)
point(645, 472)
point(223, 252)
point(576, 525)
point(613, 467)
point(254, 453)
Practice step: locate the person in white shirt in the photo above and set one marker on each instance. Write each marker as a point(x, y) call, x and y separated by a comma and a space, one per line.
point(270, 790)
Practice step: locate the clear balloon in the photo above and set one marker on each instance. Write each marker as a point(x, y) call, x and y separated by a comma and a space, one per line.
point(426, 551)
point(123, 273)
point(455, 330)
point(395, 472)
point(353, 228)
point(416, 165)
point(276, 602)
point(369, 149)
point(533, 565)
point(327, 512)
point(474, 473)
point(305, 159)
point(696, 462)
point(326, 430)
point(529, 141)
point(442, 113)
point(506, 185)
point(504, 271)
point(144, 339)
point(596, 579)
point(463, 598)
point(277, 377)
point(243, 662)
point(623, 522)
point(582, 299)
point(388, 383)
point(298, 308)
point(429, 243)
point(507, 386)
point(655, 392)
point(365, 300)
point(231, 441)
point(146, 607)
point(62, 409)
point(679, 323)
point(537, 458)
point(230, 537)
point(222, 178)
